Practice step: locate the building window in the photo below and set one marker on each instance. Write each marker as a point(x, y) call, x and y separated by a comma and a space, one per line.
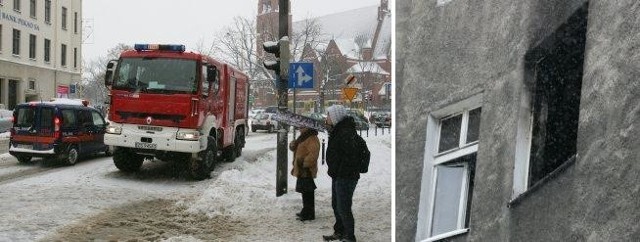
point(75, 22)
point(32, 46)
point(75, 57)
point(32, 8)
point(64, 18)
point(63, 55)
point(47, 11)
point(47, 50)
point(16, 5)
point(453, 134)
point(32, 85)
point(16, 42)
point(1, 36)
point(549, 110)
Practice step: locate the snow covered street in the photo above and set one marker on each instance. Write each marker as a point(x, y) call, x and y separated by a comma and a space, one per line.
point(94, 201)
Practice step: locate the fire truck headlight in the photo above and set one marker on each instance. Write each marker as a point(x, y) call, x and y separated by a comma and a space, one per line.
point(114, 130)
point(188, 135)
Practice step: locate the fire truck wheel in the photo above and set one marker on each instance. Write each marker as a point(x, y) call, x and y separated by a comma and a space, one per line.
point(24, 159)
point(201, 168)
point(239, 141)
point(229, 153)
point(108, 151)
point(71, 157)
point(126, 160)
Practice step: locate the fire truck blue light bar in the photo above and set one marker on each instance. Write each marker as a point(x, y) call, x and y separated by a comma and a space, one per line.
point(141, 47)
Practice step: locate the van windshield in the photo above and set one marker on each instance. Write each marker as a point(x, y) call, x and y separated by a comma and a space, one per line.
point(156, 75)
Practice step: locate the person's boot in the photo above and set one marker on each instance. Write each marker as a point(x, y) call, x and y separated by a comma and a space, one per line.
point(308, 210)
point(334, 236)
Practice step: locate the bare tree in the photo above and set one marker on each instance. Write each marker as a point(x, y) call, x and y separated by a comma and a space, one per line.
point(92, 86)
point(310, 34)
point(236, 45)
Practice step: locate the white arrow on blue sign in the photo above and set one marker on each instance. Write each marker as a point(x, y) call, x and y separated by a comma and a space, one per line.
point(300, 75)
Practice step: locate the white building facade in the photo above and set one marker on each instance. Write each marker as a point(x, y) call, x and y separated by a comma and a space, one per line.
point(40, 49)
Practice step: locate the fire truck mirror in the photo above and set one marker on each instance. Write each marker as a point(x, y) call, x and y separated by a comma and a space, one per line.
point(108, 77)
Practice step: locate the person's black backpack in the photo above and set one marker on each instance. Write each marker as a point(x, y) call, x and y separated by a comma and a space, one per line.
point(364, 155)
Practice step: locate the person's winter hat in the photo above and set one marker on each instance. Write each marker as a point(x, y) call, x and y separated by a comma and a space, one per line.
point(336, 113)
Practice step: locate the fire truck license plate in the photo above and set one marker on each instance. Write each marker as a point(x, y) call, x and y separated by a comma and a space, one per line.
point(146, 145)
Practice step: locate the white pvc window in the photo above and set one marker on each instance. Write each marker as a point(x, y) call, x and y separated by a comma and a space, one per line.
point(450, 157)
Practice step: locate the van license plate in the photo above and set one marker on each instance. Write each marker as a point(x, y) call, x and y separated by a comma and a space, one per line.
point(146, 145)
point(28, 147)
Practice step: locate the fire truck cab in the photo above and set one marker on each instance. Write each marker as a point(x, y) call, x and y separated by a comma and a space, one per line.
point(173, 105)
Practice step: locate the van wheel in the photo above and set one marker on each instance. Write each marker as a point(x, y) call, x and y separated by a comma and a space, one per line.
point(24, 159)
point(127, 161)
point(253, 129)
point(271, 129)
point(71, 157)
point(200, 169)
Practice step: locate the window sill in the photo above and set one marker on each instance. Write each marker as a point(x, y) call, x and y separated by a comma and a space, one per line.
point(446, 235)
point(535, 187)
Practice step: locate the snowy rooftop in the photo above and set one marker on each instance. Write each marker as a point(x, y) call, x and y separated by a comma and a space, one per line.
point(367, 66)
point(345, 26)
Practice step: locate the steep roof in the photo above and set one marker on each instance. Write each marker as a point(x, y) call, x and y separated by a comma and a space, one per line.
point(367, 66)
point(345, 27)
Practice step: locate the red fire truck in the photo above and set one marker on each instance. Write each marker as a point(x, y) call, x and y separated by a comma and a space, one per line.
point(173, 105)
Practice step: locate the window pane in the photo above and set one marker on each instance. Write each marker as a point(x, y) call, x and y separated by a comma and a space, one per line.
point(473, 132)
point(447, 198)
point(450, 133)
point(46, 118)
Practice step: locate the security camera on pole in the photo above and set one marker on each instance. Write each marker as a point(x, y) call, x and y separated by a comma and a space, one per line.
point(281, 66)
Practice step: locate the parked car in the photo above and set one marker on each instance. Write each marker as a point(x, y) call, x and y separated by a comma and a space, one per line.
point(317, 116)
point(383, 120)
point(361, 124)
point(356, 113)
point(271, 109)
point(254, 112)
point(62, 129)
point(6, 120)
point(264, 121)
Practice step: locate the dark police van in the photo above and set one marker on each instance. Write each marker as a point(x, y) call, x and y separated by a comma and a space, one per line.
point(62, 129)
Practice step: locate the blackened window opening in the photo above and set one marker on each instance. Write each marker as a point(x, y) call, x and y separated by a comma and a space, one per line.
point(558, 68)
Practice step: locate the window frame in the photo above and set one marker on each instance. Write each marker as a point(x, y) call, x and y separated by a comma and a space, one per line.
point(33, 13)
point(47, 50)
point(63, 18)
point(47, 11)
point(63, 55)
point(33, 46)
point(16, 42)
point(16, 5)
point(433, 158)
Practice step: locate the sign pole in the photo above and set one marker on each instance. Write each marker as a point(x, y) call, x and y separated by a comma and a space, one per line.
point(281, 150)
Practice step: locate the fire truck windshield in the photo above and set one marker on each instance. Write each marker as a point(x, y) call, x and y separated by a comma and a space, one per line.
point(156, 75)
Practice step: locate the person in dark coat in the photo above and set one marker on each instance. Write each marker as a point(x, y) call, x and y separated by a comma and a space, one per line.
point(306, 149)
point(342, 162)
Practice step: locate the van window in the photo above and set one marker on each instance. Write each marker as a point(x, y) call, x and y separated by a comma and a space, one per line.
point(97, 118)
point(46, 118)
point(25, 117)
point(68, 118)
point(85, 118)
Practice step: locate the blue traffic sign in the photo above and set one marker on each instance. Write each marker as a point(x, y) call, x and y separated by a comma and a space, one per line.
point(300, 75)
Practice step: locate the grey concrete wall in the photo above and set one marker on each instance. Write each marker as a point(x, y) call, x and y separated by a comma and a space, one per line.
point(450, 52)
